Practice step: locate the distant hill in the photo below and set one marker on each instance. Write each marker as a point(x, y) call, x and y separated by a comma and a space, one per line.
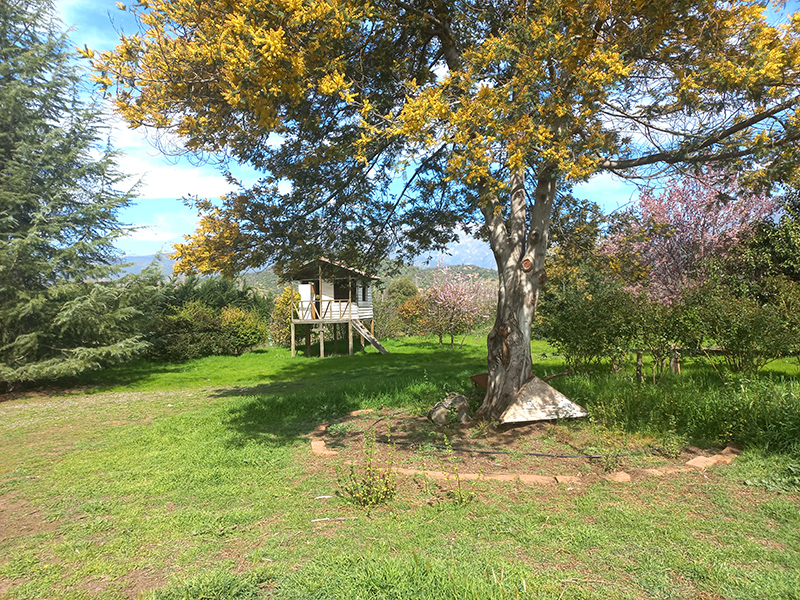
point(135, 264)
point(423, 276)
point(266, 281)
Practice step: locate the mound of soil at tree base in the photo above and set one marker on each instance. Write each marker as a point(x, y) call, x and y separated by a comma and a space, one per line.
point(572, 450)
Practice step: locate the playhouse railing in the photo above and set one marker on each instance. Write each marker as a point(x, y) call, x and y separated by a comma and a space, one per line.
point(326, 310)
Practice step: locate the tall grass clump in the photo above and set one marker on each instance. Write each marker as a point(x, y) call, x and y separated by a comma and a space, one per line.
point(390, 577)
point(760, 412)
point(216, 585)
point(369, 485)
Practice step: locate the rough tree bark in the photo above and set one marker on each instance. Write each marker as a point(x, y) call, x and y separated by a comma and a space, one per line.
point(519, 245)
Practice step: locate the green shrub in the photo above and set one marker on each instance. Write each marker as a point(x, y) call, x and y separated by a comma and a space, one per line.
point(747, 334)
point(589, 319)
point(657, 332)
point(245, 328)
point(387, 321)
point(197, 330)
point(216, 293)
point(412, 314)
point(400, 290)
point(281, 325)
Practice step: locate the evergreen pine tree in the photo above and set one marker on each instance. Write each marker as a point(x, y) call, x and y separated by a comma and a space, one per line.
point(61, 310)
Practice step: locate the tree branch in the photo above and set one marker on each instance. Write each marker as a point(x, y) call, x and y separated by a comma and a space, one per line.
point(686, 152)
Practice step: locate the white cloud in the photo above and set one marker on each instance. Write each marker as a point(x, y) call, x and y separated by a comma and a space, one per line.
point(164, 228)
point(467, 251)
point(156, 231)
point(164, 176)
point(162, 180)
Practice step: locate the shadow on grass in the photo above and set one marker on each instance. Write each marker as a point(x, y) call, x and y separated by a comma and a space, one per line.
point(307, 393)
point(101, 380)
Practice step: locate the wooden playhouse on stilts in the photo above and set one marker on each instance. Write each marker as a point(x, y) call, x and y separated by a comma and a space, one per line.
point(332, 295)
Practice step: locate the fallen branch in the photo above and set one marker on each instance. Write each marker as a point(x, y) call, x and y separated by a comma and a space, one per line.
point(549, 377)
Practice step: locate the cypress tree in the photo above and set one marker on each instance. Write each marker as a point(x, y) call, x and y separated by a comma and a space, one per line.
point(61, 309)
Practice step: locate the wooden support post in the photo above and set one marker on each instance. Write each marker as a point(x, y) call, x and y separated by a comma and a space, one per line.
point(319, 293)
point(372, 327)
point(308, 340)
point(335, 338)
point(675, 363)
point(293, 348)
point(639, 364)
point(321, 340)
point(350, 338)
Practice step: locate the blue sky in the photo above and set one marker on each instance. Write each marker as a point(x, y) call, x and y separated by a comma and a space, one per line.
point(159, 212)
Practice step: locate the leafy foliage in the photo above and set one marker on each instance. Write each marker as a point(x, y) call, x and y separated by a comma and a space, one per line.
point(780, 241)
point(208, 316)
point(281, 326)
point(413, 314)
point(666, 243)
point(61, 310)
point(403, 93)
point(248, 327)
point(590, 318)
point(575, 228)
point(388, 323)
point(196, 330)
point(217, 293)
point(770, 254)
point(749, 334)
point(388, 317)
point(401, 289)
point(489, 109)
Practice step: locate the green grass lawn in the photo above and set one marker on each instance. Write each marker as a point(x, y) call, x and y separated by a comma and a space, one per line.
point(196, 481)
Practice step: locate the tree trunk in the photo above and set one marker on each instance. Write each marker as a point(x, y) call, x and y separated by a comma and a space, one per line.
point(519, 245)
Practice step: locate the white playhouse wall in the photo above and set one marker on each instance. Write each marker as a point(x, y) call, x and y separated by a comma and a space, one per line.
point(364, 306)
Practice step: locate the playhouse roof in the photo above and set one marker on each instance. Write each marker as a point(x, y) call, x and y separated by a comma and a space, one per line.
point(329, 269)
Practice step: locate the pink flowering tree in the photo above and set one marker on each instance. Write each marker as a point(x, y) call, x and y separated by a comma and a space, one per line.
point(457, 304)
point(663, 246)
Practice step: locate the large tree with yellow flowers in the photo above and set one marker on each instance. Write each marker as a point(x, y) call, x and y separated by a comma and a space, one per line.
point(399, 123)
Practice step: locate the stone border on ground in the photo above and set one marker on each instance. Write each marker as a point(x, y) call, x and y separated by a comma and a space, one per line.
point(699, 463)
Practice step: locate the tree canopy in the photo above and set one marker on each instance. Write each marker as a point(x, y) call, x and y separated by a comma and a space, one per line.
point(453, 94)
point(398, 123)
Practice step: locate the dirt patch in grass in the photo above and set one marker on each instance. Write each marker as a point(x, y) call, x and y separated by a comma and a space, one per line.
point(571, 449)
point(140, 580)
point(19, 519)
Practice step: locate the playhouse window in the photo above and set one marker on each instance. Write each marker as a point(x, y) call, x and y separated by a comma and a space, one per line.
point(341, 291)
